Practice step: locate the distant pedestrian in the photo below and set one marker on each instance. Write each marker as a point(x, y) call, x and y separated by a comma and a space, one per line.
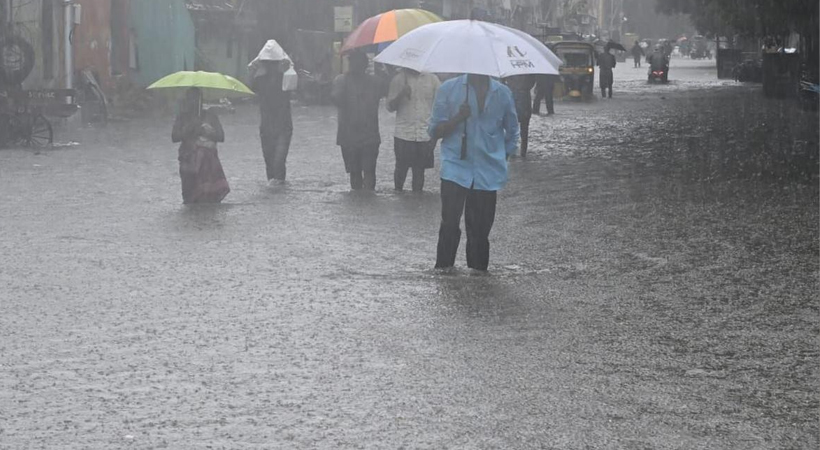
point(357, 95)
point(544, 88)
point(411, 96)
point(521, 86)
point(276, 128)
point(203, 180)
point(606, 62)
point(476, 120)
point(637, 54)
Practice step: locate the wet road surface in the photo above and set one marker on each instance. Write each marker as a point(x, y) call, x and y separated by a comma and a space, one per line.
point(653, 285)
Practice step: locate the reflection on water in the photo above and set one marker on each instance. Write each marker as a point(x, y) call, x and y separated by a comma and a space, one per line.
point(203, 216)
point(477, 295)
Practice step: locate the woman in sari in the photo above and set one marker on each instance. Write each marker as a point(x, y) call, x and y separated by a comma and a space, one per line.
point(203, 180)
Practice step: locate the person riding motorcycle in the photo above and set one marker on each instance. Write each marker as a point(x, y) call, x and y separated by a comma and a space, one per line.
point(658, 60)
point(658, 65)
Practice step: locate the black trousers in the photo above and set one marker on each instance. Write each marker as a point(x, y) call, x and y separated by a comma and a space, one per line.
point(524, 124)
point(544, 91)
point(605, 81)
point(412, 155)
point(478, 208)
point(275, 149)
point(360, 163)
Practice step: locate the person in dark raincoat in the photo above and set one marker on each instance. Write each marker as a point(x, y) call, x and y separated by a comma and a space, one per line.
point(606, 62)
point(357, 95)
point(521, 87)
point(276, 127)
point(637, 54)
point(198, 131)
point(658, 60)
point(544, 87)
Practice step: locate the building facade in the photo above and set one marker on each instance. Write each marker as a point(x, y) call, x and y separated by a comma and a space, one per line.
point(224, 35)
point(139, 41)
point(163, 39)
point(39, 23)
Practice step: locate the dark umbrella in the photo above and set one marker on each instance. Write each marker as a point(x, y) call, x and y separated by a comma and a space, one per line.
point(614, 45)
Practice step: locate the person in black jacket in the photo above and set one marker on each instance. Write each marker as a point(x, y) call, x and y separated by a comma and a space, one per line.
point(606, 62)
point(544, 87)
point(637, 54)
point(521, 87)
point(276, 127)
point(357, 95)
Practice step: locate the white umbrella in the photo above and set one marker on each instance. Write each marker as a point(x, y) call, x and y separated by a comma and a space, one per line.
point(554, 59)
point(471, 46)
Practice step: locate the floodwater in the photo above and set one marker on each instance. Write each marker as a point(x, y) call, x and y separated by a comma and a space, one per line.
point(652, 285)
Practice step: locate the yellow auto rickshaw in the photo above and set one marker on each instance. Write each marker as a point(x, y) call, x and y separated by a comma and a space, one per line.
point(578, 71)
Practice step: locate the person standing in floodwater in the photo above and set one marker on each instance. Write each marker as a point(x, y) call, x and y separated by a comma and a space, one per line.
point(198, 130)
point(544, 90)
point(475, 118)
point(606, 62)
point(521, 86)
point(411, 96)
point(276, 127)
point(637, 54)
point(357, 95)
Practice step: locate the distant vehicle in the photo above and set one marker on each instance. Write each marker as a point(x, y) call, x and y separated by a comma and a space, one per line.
point(658, 68)
point(659, 74)
point(578, 71)
point(748, 71)
point(700, 48)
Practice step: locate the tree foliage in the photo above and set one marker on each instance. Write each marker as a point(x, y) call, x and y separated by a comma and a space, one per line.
point(747, 17)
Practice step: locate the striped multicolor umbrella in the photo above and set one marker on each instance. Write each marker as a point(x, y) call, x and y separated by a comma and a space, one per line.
point(387, 27)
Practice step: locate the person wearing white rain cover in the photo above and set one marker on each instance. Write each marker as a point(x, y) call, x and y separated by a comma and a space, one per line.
point(276, 128)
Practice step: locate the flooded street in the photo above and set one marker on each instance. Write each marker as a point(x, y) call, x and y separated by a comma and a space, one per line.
point(653, 285)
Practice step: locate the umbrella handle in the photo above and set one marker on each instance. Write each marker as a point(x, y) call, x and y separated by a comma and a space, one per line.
point(464, 136)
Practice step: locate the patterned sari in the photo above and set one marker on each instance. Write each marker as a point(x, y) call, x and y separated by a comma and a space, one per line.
point(203, 180)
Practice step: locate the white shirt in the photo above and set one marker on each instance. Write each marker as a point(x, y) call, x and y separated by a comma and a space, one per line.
point(413, 114)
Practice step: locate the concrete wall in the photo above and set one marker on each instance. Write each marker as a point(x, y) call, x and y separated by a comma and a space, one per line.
point(214, 55)
point(28, 22)
point(92, 40)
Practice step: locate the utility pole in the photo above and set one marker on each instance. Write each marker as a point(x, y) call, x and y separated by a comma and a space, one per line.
point(68, 6)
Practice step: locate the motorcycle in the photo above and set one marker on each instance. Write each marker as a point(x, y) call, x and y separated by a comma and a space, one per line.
point(661, 75)
point(658, 69)
point(700, 48)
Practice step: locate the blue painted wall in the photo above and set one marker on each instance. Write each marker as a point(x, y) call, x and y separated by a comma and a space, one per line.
point(165, 39)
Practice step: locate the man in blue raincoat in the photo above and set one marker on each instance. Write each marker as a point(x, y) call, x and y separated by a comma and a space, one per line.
point(475, 118)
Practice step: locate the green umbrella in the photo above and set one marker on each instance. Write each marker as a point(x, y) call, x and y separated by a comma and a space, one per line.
point(213, 85)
